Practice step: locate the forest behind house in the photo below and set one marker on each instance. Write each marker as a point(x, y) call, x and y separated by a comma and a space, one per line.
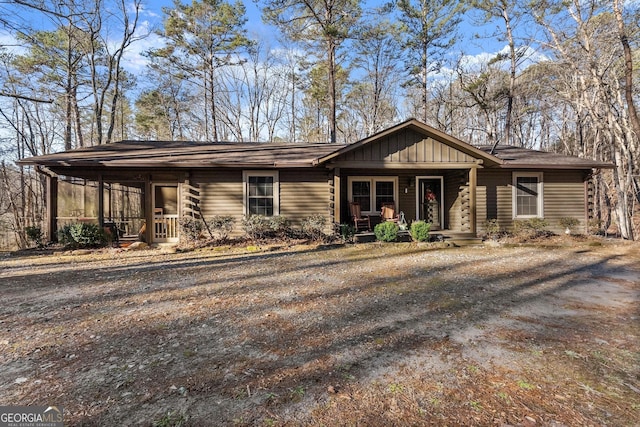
point(560, 76)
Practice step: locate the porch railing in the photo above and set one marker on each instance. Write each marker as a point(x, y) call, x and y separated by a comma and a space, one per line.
point(165, 228)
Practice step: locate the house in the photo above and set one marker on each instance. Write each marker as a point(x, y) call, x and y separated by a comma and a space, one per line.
point(424, 172)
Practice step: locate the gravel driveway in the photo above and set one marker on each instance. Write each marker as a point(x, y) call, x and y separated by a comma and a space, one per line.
point(368, 334)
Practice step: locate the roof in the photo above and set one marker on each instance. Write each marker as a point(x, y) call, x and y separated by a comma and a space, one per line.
point(188, 154)
point(181, 154)
point(524, 158)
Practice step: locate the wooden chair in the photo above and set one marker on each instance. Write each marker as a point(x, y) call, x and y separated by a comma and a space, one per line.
point(360, 222)
point(389, 213)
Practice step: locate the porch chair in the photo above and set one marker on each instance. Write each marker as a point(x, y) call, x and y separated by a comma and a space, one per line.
point(389, 213)
point(360, 222)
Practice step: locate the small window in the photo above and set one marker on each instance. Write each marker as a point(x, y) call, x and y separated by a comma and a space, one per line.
point(261, 193)
point(384, 193)
point(527, 195)
point(361, 193)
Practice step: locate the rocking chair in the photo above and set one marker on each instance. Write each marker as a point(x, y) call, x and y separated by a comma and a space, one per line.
point(360, 222)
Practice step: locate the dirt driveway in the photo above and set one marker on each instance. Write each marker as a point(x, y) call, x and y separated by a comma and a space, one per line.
point(367, 334)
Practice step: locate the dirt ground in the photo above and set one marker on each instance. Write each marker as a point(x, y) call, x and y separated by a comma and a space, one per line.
point(362, 335)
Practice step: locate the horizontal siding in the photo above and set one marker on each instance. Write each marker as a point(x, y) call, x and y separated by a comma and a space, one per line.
point(494, 198)
point(564, 196)
point(221, 194)
point(304, 192)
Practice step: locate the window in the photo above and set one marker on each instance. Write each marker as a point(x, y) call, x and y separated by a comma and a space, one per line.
point(261, 193)
point(527, 195)
point(372, 192)
point(384, 193)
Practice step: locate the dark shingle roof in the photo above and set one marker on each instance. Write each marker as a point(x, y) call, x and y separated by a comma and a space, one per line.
point(518, 157)
point(188, 154)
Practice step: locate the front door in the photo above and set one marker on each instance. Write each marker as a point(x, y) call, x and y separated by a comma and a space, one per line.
point(429, 203)
point(165, 213)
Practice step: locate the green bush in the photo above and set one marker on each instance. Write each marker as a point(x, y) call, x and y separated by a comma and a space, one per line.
point(35, 235)
point(386, 231)
point(81, 235)
point(220, 227)
point(313, 227)
point(420, 231)
point(191, 228)
point(346, 231)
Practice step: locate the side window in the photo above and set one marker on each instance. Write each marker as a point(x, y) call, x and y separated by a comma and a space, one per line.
point(527, 195)
point(261, 193)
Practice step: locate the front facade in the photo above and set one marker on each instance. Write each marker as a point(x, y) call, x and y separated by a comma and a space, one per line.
point(426, 174)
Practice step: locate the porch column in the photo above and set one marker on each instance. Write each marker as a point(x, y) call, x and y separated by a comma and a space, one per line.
point(52, 208)
point(336, 196)
point(100, 201)
point(148, 210)
point(473, 183)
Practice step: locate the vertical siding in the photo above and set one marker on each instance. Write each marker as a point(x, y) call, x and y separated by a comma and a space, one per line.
point(407, 147)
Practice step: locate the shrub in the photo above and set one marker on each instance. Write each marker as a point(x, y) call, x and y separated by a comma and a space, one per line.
point(346, 231)
point(191, 228)
point(279, 225)
point(569, 223)
point(81, 235)
point(35, 235)
point(492, 228)
point(530, 228)
point(420, 231)
point(220, 227)
point(256, 227)
point(386, 231)
point(313, 227)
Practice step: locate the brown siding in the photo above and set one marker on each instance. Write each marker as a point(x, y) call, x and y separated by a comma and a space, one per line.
point(564, 196)
point(494, 198)
point(304, 192)
point(220, 194)
point(408, 147)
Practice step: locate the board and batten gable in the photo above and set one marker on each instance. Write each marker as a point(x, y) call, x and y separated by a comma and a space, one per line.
point(405, 147)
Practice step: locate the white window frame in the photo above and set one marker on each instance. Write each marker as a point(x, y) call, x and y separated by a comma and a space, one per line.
point(539, 188)
point(372, 185)
point(261, 173)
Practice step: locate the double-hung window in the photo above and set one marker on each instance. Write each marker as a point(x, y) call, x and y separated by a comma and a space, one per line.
point(261, 193)
point(527, 195)
point(372, 192)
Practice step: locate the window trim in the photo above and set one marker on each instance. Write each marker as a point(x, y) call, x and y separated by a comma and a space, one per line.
point(373, 182)
point(246, 174)
point(540, 190)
